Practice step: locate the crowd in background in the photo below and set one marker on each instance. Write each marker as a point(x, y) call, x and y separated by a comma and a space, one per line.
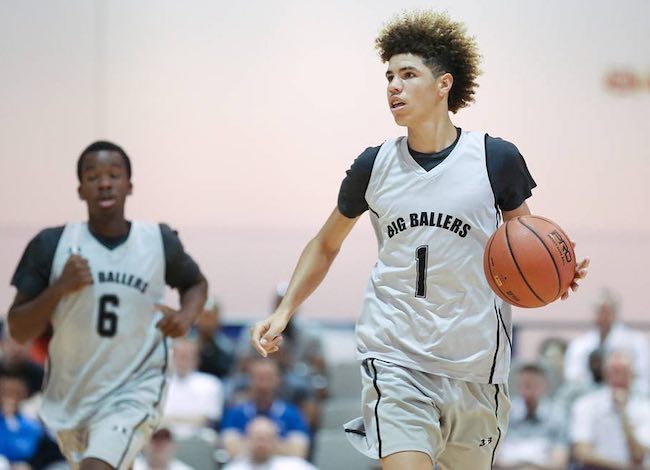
point(581, 405)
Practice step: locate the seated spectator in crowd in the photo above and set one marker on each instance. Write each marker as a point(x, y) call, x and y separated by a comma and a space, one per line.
point(610, 427)
point(264, 401)
point(159, 453)
point(194, 399)
point(20, 436)
point(15, 358)
point(534, 439)
point(217, 351)
point(262, 450)
point(568, 392)
point(609, 334)
point(551, 357)
point(302, 364)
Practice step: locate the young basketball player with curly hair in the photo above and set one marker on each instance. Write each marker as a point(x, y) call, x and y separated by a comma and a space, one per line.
point(433, 339)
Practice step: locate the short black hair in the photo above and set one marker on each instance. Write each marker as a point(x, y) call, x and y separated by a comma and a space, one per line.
point(104, 145)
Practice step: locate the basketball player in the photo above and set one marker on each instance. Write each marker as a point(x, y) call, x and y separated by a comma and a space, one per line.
point(433, 338)
point(99, 285)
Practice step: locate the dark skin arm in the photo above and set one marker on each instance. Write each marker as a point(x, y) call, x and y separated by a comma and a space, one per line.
point(177, 323)
point(28, 317)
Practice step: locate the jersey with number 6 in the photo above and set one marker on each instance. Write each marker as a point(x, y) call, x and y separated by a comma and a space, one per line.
point(105, 344)
point(427, 305)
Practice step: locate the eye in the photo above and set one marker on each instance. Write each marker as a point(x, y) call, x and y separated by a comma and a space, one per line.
point(409, 75)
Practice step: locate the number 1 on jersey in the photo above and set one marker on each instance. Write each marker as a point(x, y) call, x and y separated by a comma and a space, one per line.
point(421, 255)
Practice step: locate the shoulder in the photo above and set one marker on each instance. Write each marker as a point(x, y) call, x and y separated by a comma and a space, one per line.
point(48, 237)
point(365, 161)
point(498, 150)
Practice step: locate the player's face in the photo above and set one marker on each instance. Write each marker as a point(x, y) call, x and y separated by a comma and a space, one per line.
point(412, 90)
point(104, 183)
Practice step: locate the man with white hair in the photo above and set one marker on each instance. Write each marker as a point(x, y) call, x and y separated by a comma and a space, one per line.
point(262, 442)
point(610, 427)
point(608, 334)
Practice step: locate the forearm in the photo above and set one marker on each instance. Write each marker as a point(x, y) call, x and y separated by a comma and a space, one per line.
point(313, 265)
point(636, 449)
point(193, 299)
point(585, 455)
point(30, 318)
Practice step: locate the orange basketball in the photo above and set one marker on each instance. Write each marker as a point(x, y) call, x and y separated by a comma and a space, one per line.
point(529, 261)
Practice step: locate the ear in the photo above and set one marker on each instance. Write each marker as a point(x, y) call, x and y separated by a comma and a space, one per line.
point(81, 196)
point(130, 191)
point(444, 83)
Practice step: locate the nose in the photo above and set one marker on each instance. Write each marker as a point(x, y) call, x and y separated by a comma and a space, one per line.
point(394, 85)
point(105, 182)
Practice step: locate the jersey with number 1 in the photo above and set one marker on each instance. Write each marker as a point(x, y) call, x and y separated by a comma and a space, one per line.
point(105, 345)
point(428, 305)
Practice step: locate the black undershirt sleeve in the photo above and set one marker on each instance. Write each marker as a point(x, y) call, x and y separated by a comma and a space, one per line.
point(32, 275)
point(352, 194)
point(509, 176)
point(181, 271)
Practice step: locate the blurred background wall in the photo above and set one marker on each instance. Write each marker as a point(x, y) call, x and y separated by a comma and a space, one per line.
point(242, 117)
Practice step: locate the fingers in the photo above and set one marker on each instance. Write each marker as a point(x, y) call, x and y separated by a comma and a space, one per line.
point(164, 309)
point(264, 340)
point(171, 326)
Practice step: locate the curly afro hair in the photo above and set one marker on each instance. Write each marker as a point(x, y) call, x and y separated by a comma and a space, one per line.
point(443, 45)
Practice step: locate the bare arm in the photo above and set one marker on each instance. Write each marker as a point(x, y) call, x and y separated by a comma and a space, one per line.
point(28, 318)
point(584, 453)
point(177, 323)
point(636, 449)
point(521, 210)
point(313, 265)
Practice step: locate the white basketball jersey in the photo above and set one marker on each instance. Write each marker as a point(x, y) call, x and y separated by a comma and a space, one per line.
point(427, 305)
point(105, 345)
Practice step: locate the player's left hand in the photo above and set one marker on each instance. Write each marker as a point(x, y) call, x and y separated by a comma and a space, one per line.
point(582, 269)
point(173, 323)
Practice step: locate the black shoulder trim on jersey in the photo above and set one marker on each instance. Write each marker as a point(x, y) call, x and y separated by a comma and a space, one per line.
point(352, 193)
point(497, 214)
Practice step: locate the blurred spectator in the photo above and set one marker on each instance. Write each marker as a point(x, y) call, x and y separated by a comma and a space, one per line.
point(609, 334)
point(194, 399)
point(262, 444)
point(264, 401)
point(551, 357)
point(567, 393)
point(217, 351)
point(20, 436)
point(610, 427)
point(159, 453)
point(15, 358)
point(534, 439)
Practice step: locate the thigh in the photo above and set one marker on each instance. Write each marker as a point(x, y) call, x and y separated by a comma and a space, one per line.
point(73, 443)
point(117, 436)
point(474, 427)
point(398, 413)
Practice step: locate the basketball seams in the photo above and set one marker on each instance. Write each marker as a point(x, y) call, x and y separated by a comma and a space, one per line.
point(514, 260)
point(557, 270)
point(494, 284)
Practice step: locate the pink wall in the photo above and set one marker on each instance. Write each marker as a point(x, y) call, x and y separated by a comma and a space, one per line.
point(242, 117)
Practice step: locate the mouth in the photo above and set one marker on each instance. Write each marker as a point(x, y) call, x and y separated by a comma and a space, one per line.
point(396, 103)
point(106, 202)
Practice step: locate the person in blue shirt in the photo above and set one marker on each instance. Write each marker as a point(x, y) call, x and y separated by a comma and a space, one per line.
point(263, 400)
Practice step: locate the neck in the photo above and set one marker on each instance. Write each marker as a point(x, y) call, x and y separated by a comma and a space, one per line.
point(433, 135)
point(108, 226)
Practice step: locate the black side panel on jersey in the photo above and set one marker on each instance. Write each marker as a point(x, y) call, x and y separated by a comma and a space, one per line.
point(32, 275)
point(181, 271)
point(509, 176)
point(352, 194)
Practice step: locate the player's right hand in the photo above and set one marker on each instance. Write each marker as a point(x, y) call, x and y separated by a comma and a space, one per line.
point(266, 334)
point(76, 275)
